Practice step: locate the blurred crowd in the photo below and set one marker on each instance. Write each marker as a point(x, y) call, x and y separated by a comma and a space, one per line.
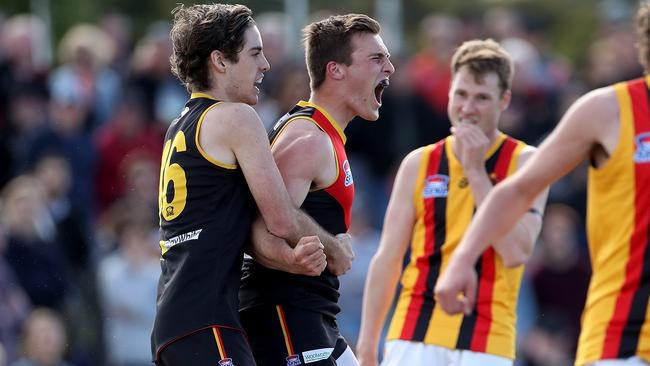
point(80, 144)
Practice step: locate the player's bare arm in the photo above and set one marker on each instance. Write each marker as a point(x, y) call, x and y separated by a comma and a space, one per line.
point(589, 125)
point(385, 267)
point(470, 146)
point(517, 245)
point(233, 133)
point(305, 157)
point(306, 258)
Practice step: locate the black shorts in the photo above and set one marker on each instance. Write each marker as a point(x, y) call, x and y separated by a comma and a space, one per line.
point(216, 346)
point(283, 335)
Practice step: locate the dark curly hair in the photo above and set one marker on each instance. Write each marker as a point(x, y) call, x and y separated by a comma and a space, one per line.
point(331, 40)
point(643, 35)
point(200, 29)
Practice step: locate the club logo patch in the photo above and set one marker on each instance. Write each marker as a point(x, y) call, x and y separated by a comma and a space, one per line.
point(436, 186)
point(463, 182)
point(293, 360)
point(226, 362)
point(348, 173)
point(642, 150)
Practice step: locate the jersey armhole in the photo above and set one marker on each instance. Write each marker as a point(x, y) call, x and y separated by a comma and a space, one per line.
point(198, 145)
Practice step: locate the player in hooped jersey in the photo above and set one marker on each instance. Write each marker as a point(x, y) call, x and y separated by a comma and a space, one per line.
point(436, 192)
point(609, 127)
point(216, 167)
point(291, 319)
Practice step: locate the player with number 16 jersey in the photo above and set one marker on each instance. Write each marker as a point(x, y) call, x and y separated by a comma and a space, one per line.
point(205, 216)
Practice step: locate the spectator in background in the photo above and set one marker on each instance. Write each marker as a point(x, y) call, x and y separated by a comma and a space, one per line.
point(118, 27)
point(32, 251)
point(76, 243)
point(429, 71)
point(127, 134)
point(287, 80)
point(72, 231)
point(27, 116)
point(23, 43)
point(141, 176)
point(133, 268)
point(23, 88)
point(612, 57)
point(14, 307)
point(152, 78)
point(67, 136)
point(44, 340)
point(291, 84)
point(538, 78)
point(85, 52)
point(560, 269)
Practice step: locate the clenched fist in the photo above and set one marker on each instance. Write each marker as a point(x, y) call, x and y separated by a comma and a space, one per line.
point(309, 259)
point(341, 256)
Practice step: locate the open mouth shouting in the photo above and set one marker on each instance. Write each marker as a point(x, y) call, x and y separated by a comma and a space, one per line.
point(379, 89)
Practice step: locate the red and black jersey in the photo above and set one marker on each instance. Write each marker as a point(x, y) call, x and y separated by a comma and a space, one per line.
point(330, 207)
point(206, 211)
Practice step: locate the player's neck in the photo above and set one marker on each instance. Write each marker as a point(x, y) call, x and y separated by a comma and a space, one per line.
point(493, 137)
point(212, 92)
point(332, 104)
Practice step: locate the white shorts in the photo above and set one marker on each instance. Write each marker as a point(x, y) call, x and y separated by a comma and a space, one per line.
point(400, 353)
point(632, 361)
point(347, 358)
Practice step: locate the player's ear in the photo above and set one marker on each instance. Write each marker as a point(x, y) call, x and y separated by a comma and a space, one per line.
point(217, 60)
point(335, 70)
point(505, 100)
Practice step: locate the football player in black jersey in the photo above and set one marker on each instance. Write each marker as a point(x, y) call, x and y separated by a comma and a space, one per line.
point(291, 318)
point(216, 172)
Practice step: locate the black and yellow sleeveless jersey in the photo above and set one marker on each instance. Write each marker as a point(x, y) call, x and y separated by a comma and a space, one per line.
point(206, 211)
point(330, 207)
point(444, 207)
point(616, 318)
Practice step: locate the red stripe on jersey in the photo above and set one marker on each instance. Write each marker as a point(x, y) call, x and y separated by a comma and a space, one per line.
point(484, 302)
point(488, 265)
point(638, 241)
point(505, 156)
point(414, 308)
point(343, 194)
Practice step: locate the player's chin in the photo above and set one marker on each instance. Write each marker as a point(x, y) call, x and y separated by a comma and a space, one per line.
point(252, 99)
point(371, 114)
point(371, 117)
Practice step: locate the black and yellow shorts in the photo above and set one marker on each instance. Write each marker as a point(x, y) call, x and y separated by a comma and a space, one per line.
point(216, 346)
point(283, 335)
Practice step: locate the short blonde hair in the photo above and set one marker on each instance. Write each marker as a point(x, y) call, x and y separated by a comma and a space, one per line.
point(482, 57)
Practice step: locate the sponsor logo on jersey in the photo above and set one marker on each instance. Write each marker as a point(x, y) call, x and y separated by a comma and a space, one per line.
point(293, 360)
point(317, 354)
point(436, 186)
point(192, 235)
point(642, 151)
point(348, 174)
point(226, 362)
